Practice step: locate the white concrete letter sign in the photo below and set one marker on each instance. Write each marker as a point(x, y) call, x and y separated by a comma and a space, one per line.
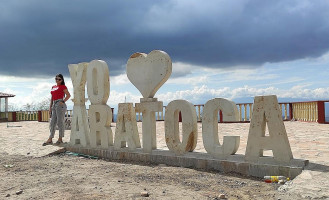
point(149, 72)
point(79, 126)
point(189, 127)
point(78, 76)
point(210, 128)
point(100, 118)
point(98, 83)
point(266, 109)
point(126, 128)
point(148, 110)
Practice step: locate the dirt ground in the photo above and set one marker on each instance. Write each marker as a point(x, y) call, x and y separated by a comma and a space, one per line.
point(26, 168)
point(65, 176)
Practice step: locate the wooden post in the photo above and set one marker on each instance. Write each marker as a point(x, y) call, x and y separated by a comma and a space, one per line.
point(112, 114)
point(180, 116)
point(220, 116)
point(39, 116)
point(321, 112)
point(291, 115)
point(14, 117)
point(6, 107)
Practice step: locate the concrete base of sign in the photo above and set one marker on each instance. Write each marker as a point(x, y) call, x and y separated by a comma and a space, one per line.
point(197, 160)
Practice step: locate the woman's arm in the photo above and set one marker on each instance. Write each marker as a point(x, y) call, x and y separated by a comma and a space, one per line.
point(50, 105)
point(67, 95)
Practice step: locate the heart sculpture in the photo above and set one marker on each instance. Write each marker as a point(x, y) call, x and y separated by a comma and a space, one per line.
point(149, 72)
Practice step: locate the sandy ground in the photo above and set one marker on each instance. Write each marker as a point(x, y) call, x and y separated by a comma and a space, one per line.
point(27, 167)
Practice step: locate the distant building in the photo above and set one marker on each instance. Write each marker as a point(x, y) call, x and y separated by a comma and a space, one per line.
point(4, 105)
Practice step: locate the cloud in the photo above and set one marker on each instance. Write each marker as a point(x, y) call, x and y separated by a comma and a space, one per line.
point(40, 38)
point(182, 69)
point(121, 79)
point(200, 95)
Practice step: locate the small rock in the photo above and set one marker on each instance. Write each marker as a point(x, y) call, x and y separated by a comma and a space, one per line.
point(8, 195)
point(145, 194)
point(222, 196)
point(28, 153)
point(19, 192)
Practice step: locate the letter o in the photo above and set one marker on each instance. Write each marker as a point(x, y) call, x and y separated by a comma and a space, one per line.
point(98, 82)
point(189, 127)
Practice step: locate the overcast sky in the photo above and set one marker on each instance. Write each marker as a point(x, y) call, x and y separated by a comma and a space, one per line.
point(218, 44)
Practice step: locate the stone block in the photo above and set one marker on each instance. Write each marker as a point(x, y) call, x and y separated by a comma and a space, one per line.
point(294, 171)
point(242, 168)
point(258, 170)
point(228, 166)
point(284, 171)
point(201, 164)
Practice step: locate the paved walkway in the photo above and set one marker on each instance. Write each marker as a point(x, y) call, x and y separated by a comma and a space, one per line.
point(308, 141)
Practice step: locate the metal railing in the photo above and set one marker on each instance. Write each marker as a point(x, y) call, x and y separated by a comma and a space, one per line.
point(311, 111)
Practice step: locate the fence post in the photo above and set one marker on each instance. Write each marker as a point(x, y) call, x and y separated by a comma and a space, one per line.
point(291, 115)
point(39, 116)
point(321, 112)
point(14, 117)
point(180, 116)
point(112, 114)
point(220, 116)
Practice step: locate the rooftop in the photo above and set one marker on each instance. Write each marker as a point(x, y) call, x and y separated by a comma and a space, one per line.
point(2, 95)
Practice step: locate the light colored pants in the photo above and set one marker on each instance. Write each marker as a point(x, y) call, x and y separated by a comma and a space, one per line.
point(57, 117)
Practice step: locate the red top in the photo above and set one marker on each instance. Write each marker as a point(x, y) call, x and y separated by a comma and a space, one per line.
point(57, 92)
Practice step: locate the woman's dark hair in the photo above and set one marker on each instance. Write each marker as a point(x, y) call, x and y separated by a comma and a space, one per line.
point(61, 76)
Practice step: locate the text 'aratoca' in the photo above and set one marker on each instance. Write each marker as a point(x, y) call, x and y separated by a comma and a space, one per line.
point(148, 73)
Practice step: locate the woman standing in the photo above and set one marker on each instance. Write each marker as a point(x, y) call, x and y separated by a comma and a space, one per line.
point(57, 109)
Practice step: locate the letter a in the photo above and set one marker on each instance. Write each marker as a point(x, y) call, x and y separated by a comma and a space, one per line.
point(80, 128)
point(126, 129)
point(100, 118)
point(267, 110)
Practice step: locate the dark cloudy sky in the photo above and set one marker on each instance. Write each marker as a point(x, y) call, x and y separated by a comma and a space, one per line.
point(40, 37)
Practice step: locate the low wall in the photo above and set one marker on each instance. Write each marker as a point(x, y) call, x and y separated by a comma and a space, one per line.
point(196, 160)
